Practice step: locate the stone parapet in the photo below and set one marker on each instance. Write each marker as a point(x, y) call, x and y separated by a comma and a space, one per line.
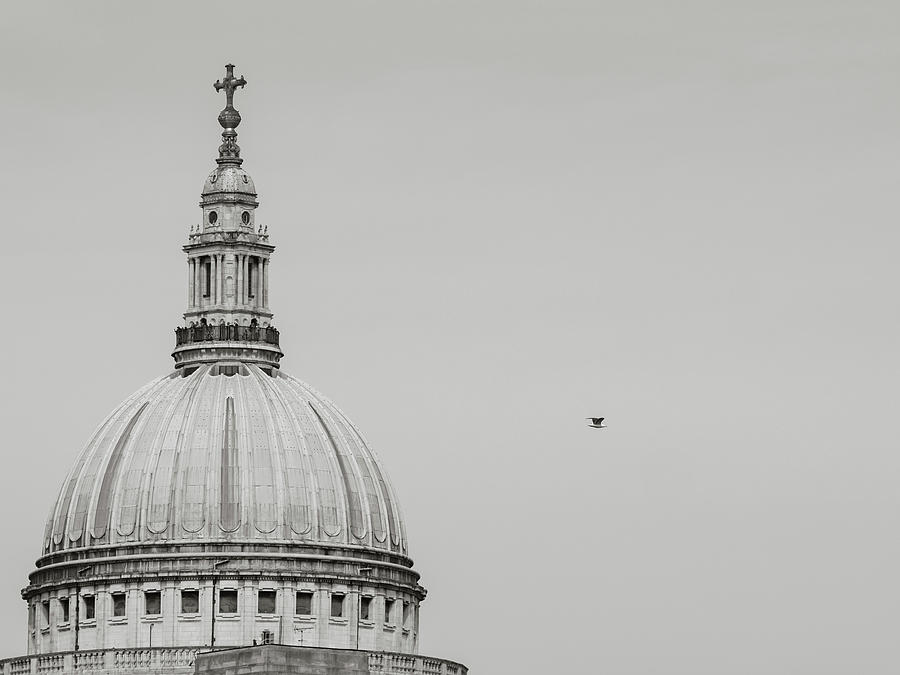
point(255, 660)
point(226, 333)
point(174, 660)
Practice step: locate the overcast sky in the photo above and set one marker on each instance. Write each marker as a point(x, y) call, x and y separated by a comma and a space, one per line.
point(493, 219)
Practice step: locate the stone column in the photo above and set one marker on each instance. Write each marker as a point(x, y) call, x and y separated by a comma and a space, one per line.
point(197, 289)
point(205, 605)
point(247, 608)
point(415, 628)
point(101, 614)
point(239, 288)
point(322, 603)
point(247, 279)
point(133, 612)
point(169, 609)
point(245, 287)
point(190, 262)
point(220, 278)
point(287, 606)
point(213, 265)
point(264, 301)
point(193, 283)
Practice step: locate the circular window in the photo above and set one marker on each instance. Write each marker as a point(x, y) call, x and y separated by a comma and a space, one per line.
point(213, 217)
point(245, 217)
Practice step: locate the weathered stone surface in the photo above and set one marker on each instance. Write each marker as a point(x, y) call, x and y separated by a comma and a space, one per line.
point(283, 660)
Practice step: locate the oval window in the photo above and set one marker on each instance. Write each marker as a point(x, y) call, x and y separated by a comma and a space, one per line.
point(213, 217)
point(245, 217)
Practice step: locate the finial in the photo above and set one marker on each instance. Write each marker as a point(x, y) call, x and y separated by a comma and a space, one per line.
point(229, 118)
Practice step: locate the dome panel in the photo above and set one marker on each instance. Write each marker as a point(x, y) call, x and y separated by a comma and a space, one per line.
point(228, 179)
point(230, 486)
point(104, 500)
point(245, 457)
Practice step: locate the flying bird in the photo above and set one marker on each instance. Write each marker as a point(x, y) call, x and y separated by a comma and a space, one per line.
point(596, 422)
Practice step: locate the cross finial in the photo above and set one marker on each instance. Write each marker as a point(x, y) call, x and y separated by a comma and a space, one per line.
point(229, 118)
point(229, 84)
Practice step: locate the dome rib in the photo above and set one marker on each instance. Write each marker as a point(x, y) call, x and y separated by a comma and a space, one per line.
point(190, 504)
point(332, 502)
point(265, 517)
point(298, 510)
point(350, 465)
point(56, 523)
point(161, 497)
point(229, 473)
point(103, 508)
point(398, 527)
point(351, 491)
point(84, 497)
point(127, 510)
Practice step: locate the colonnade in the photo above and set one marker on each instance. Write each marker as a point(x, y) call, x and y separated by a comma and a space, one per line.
point(208, 285)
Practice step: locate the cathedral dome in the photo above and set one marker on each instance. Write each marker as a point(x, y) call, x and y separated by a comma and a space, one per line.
point(228, 179)
point(226, 502)
point(226, 455)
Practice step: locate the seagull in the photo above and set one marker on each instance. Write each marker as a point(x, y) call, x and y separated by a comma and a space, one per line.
point(596, 422)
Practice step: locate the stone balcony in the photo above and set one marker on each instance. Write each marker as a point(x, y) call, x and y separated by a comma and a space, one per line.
point(226, 333)
point(205, 344)
point(255, 660)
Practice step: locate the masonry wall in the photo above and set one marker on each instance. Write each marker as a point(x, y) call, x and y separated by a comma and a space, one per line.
point(278, 660)
point(49, 631)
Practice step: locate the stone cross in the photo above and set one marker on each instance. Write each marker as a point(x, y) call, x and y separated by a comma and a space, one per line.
point(229, 84)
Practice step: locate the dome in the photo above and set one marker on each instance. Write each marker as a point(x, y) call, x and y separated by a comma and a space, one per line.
point(226, 454)
point(228, 178)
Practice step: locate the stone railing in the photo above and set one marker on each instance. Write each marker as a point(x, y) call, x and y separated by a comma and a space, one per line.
point(104, 661)
point(226, 333)
point(180, 660)
point(393, 663)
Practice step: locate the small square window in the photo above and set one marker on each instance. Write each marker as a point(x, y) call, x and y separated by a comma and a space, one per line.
point(364, 605)
point(304, 602)
point(190, 602)
point(88, 601)
point(228, 602)
point(388, 609)
point(152, 602)
point(266, 602)
point(64, 610)
point(118, 603)
point(337, 604)
point(45, 613)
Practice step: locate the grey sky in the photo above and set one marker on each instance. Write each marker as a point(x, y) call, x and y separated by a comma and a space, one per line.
point(494, 219)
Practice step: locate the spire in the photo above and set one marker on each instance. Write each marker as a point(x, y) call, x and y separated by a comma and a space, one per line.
point(229, 118)
point(228, 318)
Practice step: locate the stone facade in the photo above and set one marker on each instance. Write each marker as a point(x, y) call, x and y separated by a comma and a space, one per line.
point(230, 661)
point(288, 624)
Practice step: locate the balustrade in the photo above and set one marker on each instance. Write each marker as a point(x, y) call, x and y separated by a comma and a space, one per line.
point(90, 660)
point(108, 661)
point(390, 663)
point(228, 332)
point(50, 664)
point(18, 666)
point(181, 660)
